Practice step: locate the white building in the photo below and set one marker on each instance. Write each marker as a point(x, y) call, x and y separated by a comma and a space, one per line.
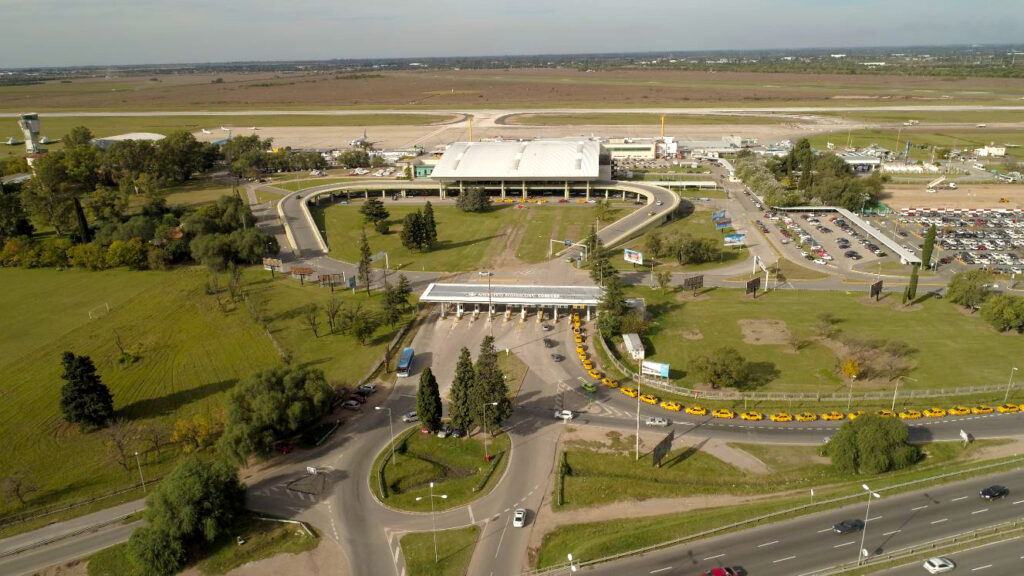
point(634, 346)
point(991, 152)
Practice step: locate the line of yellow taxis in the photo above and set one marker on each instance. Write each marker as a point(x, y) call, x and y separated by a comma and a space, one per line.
point(579, 338)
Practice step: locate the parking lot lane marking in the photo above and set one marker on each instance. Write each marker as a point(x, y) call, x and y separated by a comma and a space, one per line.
point(768, 543)
point(875, 518)
point(713, 557)
point(940, 521)
point(845, 544)
point(981, 567)
point(891, 533)
point(1019, 502)
point(783, 559)
point(959, 499)
point(918, 508)
point(980, 511)
point(661, 569)
point(825, 530)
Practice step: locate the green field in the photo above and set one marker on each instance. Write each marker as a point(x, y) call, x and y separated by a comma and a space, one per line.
point(467, 241)
point(974, 116)
point(617, 119)
point(190, 353)
point(454, 552)
point(951, 348)
point(698, 225)
point(455, 465)
point(959, 138)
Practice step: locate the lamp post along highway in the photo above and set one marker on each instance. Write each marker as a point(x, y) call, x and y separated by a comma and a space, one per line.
point(897, 389)
point(433, 522)
point(863, 553)
point(1009, 383)
point(143, 479)
point(573, 566)
point(483, 413)
point(391, 428)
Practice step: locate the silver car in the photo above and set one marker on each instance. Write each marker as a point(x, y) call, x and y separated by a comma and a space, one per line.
point(519, 518)
point(938, 565)
point(410, 416)
point(657, 421)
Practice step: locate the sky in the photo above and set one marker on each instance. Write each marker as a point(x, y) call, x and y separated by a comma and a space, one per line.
point(111, 32)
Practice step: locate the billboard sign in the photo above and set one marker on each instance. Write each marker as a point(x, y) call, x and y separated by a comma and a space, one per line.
point(753, 285)
point(876, 289)
point(723, 224)
point(735, 239)
point(649, 368)
point(718, 215)
point(633, 256)
point(694, 282)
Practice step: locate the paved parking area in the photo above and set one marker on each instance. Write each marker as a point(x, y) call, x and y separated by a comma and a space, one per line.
point(824, 239)
point(983, 238)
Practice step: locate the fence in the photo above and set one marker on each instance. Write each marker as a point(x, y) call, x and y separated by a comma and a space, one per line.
point(770, 516)
point(14, 519)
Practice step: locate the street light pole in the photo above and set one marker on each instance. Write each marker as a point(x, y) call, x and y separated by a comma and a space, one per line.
point(140, 472)
point(483, 413)
point(573, 566)
point(1008, 384)
point(864, 531)
point(897, 389)
point(392, 430)
point(433, 522)
point(638, 416)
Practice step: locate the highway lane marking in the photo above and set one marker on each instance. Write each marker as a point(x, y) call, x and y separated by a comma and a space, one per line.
point(845, 544)
point(768, 543)
point(825, 530)
point(875, 518)
point(981, 567)
point(471, 519)
point(503, 530)
point(980, 511)
point(918, 508)
point(783, 559)
point(891, 533)
point(940, 521)
point(661, 569)
point(713, 557)
point(959, 499)
point(1018, 501)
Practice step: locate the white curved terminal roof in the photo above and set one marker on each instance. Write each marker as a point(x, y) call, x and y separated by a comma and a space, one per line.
point(515, 294)
point(532, 160)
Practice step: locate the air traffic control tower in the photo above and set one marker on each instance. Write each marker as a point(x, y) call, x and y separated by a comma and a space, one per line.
point(30, 127)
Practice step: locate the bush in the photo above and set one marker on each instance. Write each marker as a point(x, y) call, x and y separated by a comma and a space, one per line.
point(871, 445)
point(1005, 312)
point(89, 256)
point(20, 251)
point(129, 253)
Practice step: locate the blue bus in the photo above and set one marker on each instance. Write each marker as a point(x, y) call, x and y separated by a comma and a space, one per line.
point(405, 362)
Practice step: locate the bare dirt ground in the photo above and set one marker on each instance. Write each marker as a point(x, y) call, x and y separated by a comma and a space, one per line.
point(324, 559)
point(764, 332)
point(970, 196)
point(73, 568)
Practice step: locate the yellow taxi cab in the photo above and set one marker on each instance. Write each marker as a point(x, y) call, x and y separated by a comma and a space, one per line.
point(577, 339)
point(909, 414)
point(886, 413)
point(752, 415)
point(833, 415)
point(781, 417)
point(609, 382)
point(981, 409)
point(594, 374)
point(806, 417)
point(670, 405)
point(855, 414)
point(933, 412)
point(631, 392)
point(959, 410)
point(697, 410)
point(588, 365)
point(723, 413)
point(648, 399)
point(1006, 408)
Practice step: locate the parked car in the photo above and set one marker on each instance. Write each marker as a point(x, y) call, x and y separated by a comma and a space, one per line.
point(366, 389)
point(995, 492)
point(445, 431)
point(848, 526)
point(657, 421)
point(557, 357)
point(564, 414)
point(519, 518)
point(724, 571)
point(352, 405)
point(549, 343)
point(410, 416)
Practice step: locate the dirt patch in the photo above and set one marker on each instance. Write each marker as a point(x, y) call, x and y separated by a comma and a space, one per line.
point(73, 568)
point(501, 253)
point(981, 196)
point(692, 334)
point(687, 296)
point(324, 559)
point(766, 332)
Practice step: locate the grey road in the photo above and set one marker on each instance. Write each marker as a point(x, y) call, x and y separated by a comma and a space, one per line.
point(1005, 558)
point(66, 549)
point(807, 544)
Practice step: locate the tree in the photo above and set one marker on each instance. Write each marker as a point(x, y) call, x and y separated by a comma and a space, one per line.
point(373, 211)
point(195, 433)
point(364, 269)
point(119, 440)
point(179, 156)
point(871, 445)
point(474, 199)
point(490, 388)
point(929, 245)
point(402, 292)
point(851, 368)
point(129, 253)
point(429, 226)
point(311, 316)
point(333, 310)
point(969, 288)
point(664, 278)
point(653, 244)
point(697, 250)
point(196, 503)
point(391, 309)
point(1005, 312)
point(428, 401)
point(912, 285)
point(84, 398)
point(14, 219)
point(358, 323)
point(612, 308)
point(18, 485)
point(270, 405)
point(460, 409)
point(414, 231)
point(48, 197)
point(154, 434)
point(721, 367)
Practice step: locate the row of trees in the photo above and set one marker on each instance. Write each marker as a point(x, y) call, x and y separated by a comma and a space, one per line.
point(356, 320)
point(973, 289)
point(419, 229)
point(250, 156)
point(479, 393)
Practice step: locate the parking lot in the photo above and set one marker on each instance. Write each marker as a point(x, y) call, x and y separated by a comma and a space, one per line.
point(992, 239)
point(824, 239)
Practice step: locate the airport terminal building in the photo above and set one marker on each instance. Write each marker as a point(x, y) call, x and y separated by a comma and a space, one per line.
point(560, 167)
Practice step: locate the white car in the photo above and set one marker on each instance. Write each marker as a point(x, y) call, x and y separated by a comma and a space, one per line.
point(485, 273)
point(410, 416)
point(938, 565)
point(352, 405)
point(564, 414)
point(519, 518)
point(657, 421)
point(658, 203)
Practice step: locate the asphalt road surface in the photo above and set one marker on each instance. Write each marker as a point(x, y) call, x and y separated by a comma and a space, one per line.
point(1004, 558)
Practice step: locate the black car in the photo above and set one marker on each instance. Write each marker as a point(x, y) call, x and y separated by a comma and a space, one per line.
point(557, 357)
point(549, 343)
point(994, 492)
point(848, 526)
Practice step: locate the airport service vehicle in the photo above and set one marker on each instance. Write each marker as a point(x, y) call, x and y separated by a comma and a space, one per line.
point(657, 421)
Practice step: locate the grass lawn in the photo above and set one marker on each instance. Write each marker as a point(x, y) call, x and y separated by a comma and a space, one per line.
point(455, 465)
point(454, 551)
point(264, 196)
point(114, 561)
point(930, 115)
point(599, 539)
point(467, 241)
point(190, 353)
point(698, 225)
point(952, 348)
point(515, 371)
point(615, 119)
point(959, 138)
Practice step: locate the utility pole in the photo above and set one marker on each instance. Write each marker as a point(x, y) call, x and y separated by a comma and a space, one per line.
point(864, 531)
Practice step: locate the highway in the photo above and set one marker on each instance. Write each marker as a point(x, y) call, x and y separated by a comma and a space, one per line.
point(806, 544)
point(1005, 558)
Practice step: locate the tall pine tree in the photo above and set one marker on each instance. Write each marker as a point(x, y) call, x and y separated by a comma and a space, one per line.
point(929, 246)
point(412, 231)
point(428, 401)
point(429, 225)
point(84, 399)
point(461, 410)
point(364, 261)
point(490, 388)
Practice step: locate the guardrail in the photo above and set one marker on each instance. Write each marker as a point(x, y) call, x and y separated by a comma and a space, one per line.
point(769, 516)
point(833, 397)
